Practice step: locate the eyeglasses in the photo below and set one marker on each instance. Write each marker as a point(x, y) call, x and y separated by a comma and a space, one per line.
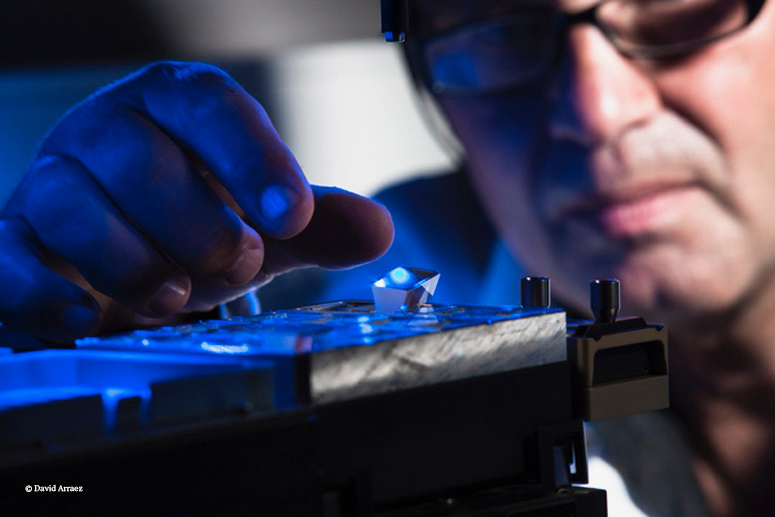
point(521, 47)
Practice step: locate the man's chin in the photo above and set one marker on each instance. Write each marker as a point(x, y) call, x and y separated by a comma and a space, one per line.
point(649, 288)
point(670, 292)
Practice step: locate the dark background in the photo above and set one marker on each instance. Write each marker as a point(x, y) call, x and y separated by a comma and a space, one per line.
point(65, 32)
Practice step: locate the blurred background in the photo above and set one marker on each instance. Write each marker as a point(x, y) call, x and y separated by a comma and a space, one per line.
point(336, 92)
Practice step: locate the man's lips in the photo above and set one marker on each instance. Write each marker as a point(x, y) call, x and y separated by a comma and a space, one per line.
point(631, 212)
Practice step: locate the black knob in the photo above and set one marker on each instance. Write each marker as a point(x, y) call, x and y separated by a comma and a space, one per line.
point(536, 292)
point(605, 299)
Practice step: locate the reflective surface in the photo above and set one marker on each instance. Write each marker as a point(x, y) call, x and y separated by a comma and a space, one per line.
point(404, 289)
point(522, 46)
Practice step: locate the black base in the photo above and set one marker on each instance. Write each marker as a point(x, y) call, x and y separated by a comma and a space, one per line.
point(493, 445)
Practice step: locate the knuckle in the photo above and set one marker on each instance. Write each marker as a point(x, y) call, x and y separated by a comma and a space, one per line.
point(51, 214)
point(191, 95)
point(215, 249)
point(180, 72)
point(83, 125)
point(234, 256)
point(199, 79)
point(133, 281)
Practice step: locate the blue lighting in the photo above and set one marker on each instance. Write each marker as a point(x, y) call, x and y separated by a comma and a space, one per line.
point(226, 349)
point(395, 37)
point(124, 382)
point(401, 277)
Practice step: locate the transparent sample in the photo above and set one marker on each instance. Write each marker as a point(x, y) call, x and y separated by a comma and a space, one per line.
point(404, 289)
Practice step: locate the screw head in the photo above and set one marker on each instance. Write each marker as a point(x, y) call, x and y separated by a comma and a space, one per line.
point(536, 292)
point(605, 299)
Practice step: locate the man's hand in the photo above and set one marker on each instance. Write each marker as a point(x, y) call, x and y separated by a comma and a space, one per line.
point(168, 191)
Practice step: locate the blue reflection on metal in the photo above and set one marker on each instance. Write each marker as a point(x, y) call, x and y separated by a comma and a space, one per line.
point(50, 377)
point(366, 328)
point(226, 349)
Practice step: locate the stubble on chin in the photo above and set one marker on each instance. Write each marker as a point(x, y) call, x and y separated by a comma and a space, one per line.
point(670, 265)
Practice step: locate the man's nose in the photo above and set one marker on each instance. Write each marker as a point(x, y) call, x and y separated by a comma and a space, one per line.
point(599, 93)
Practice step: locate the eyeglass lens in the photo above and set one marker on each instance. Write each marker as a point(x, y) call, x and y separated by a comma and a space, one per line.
point(520, 47)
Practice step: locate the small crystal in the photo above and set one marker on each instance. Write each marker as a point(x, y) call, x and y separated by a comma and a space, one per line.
point(404, 289)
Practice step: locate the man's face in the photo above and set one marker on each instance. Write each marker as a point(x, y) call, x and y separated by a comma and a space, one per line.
point(656, 172)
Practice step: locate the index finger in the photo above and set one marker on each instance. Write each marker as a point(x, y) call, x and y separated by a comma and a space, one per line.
point(211, 116)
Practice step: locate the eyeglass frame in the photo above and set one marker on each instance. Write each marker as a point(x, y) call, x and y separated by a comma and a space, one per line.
point(419, 68)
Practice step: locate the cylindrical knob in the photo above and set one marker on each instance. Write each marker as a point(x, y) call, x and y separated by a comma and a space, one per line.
point(605, 299)
point(536, 292)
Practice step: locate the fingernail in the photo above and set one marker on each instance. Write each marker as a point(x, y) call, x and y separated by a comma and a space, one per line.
point(276, 201)
point(80, 320)
point(171, 296)
point(245, 268)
